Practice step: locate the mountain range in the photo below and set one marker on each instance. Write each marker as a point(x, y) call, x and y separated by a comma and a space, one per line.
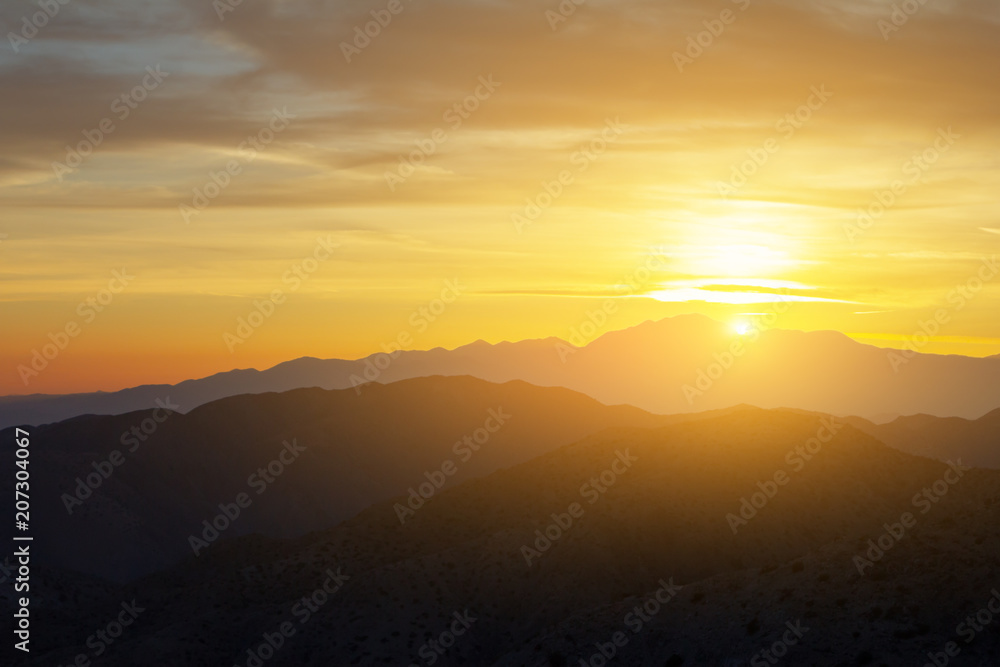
point(525, 503)
point(682, 364)
point(129, 490)
point(976, 442)
point(628, 530)
point(126, 485)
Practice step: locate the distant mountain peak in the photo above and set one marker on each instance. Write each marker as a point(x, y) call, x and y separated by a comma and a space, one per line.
point(681, 364)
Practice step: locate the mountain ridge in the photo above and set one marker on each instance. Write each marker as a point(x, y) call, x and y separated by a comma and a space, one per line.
point(161, 480)
point(663, 366)
point(662, 520)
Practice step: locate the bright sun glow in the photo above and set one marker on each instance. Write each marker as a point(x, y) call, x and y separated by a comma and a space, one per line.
point(742, 260)
point(742, 328)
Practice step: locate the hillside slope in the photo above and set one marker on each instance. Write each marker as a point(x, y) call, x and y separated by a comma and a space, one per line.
point(663, 516)
point(335, 453)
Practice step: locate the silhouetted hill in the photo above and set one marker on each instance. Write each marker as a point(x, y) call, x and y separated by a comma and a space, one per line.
point(662, 516)
point(680, 364)
point(976, 442)
point(359, 449)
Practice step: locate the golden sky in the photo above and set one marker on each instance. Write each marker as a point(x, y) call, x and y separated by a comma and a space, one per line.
point(684, 156)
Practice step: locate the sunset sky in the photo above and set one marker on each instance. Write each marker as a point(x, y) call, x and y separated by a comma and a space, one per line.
point(652, 150)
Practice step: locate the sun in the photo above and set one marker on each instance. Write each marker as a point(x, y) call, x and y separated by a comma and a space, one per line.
point(742, 328)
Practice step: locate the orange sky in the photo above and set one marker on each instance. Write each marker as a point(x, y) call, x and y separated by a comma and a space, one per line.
point(544, 164)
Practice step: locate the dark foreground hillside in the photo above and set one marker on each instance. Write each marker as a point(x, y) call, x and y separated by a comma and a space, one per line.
point(642, 560)
point(122, 496)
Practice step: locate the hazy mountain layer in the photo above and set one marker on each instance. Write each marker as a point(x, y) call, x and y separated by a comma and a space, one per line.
point(682, 364)
point(977, 442)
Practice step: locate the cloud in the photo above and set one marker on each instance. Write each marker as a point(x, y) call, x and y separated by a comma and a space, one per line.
point(609, 59)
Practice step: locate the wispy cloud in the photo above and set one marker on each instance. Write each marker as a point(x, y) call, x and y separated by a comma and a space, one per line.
point(684, 295)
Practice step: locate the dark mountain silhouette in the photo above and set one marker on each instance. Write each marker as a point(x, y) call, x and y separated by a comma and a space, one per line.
point(359, 449)
point(661, 519)
point(680, 364)
point(976, 442)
